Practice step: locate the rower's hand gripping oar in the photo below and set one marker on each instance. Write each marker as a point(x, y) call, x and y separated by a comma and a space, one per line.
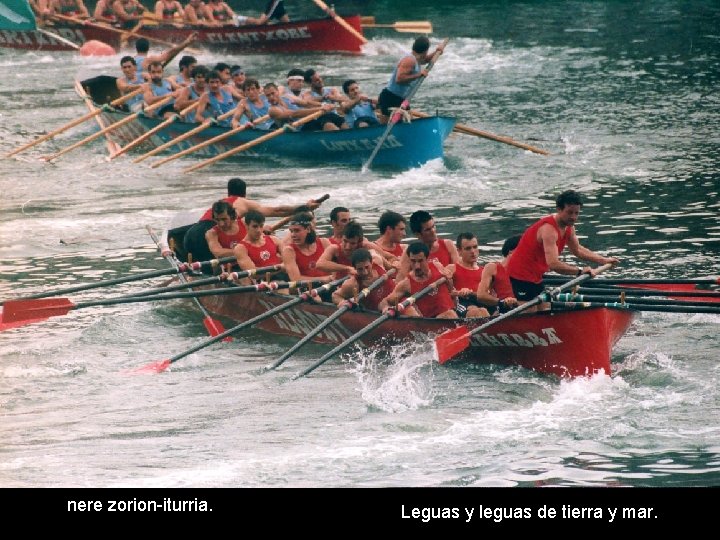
point(392, 312)
point(344, 306)
point(44, 308)
point(453, 342)
point(183, 268)
point(403, 107)
point(162, 365)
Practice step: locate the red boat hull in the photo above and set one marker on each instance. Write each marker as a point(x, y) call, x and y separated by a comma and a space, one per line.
point(316, 35)
point(567, 343)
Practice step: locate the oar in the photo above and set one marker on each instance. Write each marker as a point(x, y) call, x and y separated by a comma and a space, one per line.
point(75, 122)
point(415, 27)
point(338, 19)
point(142, 138)
point(162, 365)
point(454, 341)
point(181, 138)
point(110, 128)
point(467, 130)
point(403, 107)
point(344, 306)
point(213, 140)
point(58, 37)
point(710, 296)
point(255, 142)
point(657, 283)
point(112, 146)
point(367, 19)
point(44, 308)
point(623, 299)
point(402, 306)
point(637, 307)
point(184, 267)
point(284, 221)
point(213, 326)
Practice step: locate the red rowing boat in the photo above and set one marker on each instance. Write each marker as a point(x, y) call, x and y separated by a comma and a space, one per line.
point(312, 35)
point(564, 343)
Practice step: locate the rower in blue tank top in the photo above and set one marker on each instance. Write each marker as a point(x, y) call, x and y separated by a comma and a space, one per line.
point(359, 109)
point(189, 95)
point(130, 81)
point(256, 104)
point(217, 101)
point(157, 89)
point(406, 73)
point(318, 92)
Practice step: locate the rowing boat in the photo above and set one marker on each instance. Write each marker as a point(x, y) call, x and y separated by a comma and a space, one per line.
point(548, 342)
point(410, 144)
point(312, 35)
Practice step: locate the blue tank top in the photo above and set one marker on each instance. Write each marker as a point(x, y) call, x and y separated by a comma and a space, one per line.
point(364, 109)
point(139, 62)
point(139, 97)
point(402, 90)
point(190, 117)
point(324, 97)
point(221, 106)
point(260, 111)
point(164, 89)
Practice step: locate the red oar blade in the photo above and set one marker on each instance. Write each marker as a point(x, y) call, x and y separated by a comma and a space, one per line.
point(35, 310)
point(215, 328)
point(451, 343)
point(155, 367)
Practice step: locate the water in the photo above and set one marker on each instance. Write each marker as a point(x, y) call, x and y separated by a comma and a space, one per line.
point(625, 98)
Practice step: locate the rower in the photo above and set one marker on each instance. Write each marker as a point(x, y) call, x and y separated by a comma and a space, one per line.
point(358, 108)
point(256, 104)
point(69, 8)
point(339, 218)
point(189, 95)
point(128, 13)
point(130, 81)
point(367, 270)
point(216, 101)
point(227, 232)
point(220, 12)
point(336, 258)
point(104, 12)
point(158, 89)
point(495, 289)
point(184, 78)
point(392, 231)
point(168, 11)
point(466, 277)
point(283, 112)
point(301, 256)
point(197, 13)
point(257, 249)
point(441, 250)
point(318, 91)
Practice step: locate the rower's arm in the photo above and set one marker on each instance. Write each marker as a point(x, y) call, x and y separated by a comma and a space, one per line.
point(548, 236)
point(241, 254)
point(345, 291)
point(485, 286)
point(581, 252)
point(214, 245)
point(401, 290)
point(326, 263)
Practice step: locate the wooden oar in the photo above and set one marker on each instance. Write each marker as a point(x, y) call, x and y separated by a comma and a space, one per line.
point(145, 136)
point(213, 326)
point(112, 146)
point(88, 116)
point(467, 130)
point(345, 306)
point(625, 299)
point(58, 37)
point(181, 138)
point(452, 342)
point(342, 22)
point(255, 142)
point(44, 308)
point(637, 307)
point(402, 306)
point(213, 140)
point(184, 267)
point(403, 107)
point(110, 128)
point(367, 19)
point(162, 365)
point(415, 27)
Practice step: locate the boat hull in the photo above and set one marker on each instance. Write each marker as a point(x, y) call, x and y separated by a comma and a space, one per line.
point(565, 343)
point(316, 35)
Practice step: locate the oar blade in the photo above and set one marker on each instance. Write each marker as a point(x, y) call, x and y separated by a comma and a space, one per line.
point(149, 369)
point(215, 328)
point(35, 310)
point(451, 343)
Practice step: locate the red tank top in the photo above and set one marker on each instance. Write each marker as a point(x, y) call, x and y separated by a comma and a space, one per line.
point(397, 250)
point(306, 263)
point(465, 278)
point(442, 255)
point(265, 255)
point(229, 241)
point(433, 303)
point(528, 260)
point(340, 258)
point(501, 282)
point(207, 216)
point(334, 240)
point(372, 300)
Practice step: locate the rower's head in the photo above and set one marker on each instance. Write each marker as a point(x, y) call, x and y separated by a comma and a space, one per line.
point(238, 76)
point(271, 93)
point(142, 46)
point(155, 69)
point(467, 246)
point(128, 66)
point(295, 80)
point(421, 45)
point(251, 88)
point(393, 225)
point(351, 88)
point(314, 79)
point(422, 225)
point(236, 187)
point(418, 254)
point(568, 205)
point(352, 238)
point(224, 70)
point(510, 244)
point(187, 63)
point(361, 260)
point(199, 76)
point(254, 221)
point(215, 82)
point(339, 218)
point(301, 229)
point(224, 215)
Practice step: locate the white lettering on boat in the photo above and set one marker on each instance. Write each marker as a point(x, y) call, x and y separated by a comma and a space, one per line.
point(360, 145)
point(528, 339)
point(256, 37)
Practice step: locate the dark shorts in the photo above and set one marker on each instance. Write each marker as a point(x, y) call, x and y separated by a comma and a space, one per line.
point(526, 290)
point(195, 244)
point(369, 120)
point(319, 123)
point(387, 99)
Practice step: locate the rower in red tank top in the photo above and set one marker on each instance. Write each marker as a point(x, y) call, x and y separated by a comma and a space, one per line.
point(301, 256)
point(336, 259)
point(422, 225)
point(437, 303)
point(495, 290)
point(368, 269)
point(257, 249)
point(466, 277)
point(228, 231)
point(392, 232)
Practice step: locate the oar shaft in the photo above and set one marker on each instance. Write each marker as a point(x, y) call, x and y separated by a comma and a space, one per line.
point(636, 307)
point(648, 292)
point(342, 22)
point(640, 281)
point(570, 297)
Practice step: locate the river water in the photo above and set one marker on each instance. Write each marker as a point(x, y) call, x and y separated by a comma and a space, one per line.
point(623, 95)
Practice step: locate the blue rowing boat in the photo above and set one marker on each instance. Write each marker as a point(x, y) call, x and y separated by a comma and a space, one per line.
point(409, 144)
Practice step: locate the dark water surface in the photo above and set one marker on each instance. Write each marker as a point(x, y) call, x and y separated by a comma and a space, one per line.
point(624, 95)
